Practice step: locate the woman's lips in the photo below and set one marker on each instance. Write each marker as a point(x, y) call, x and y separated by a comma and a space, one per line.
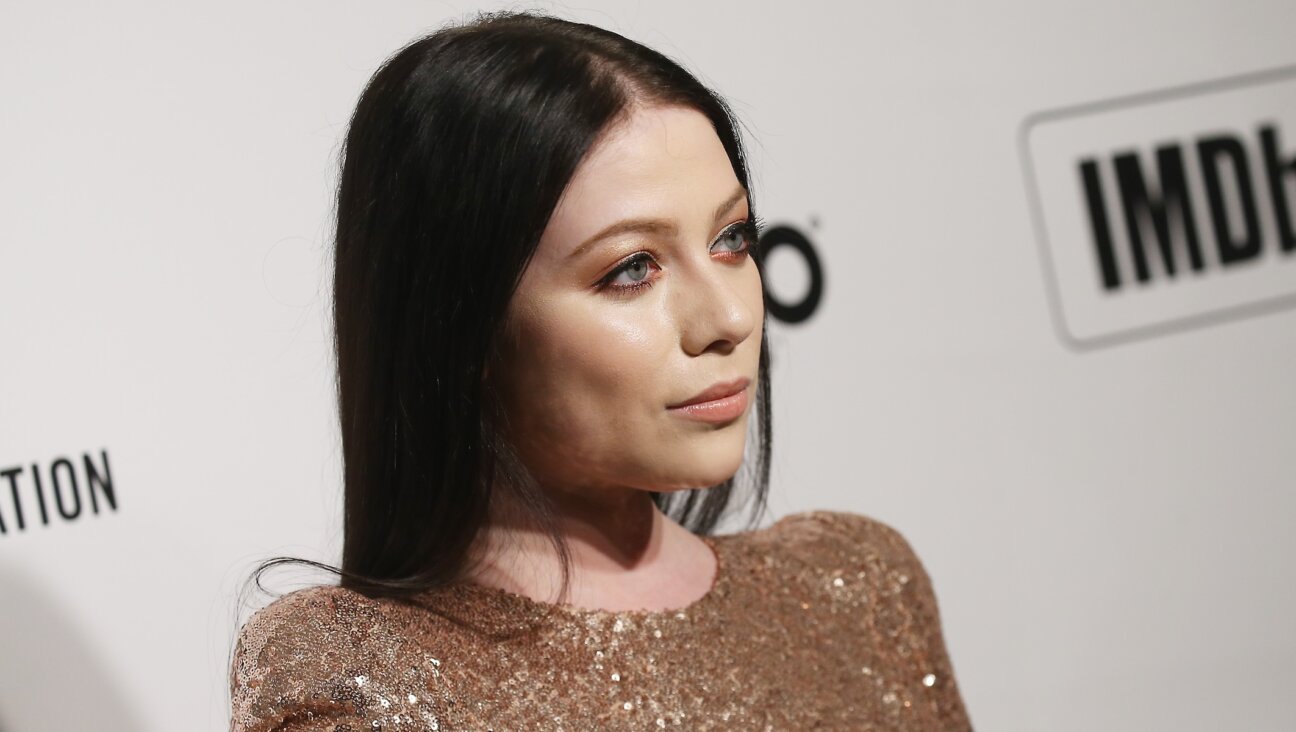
point(715, 391)
point(722, 409)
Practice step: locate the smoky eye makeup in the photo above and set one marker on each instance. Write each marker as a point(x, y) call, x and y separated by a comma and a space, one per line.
point(747, 231)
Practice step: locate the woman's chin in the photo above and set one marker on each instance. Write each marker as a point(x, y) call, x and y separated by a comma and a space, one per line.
point(705, 474)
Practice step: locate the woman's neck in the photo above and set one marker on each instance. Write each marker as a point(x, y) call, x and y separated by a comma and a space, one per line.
point(628, 558)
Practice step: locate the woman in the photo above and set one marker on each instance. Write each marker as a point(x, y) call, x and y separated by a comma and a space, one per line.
point(550, 337)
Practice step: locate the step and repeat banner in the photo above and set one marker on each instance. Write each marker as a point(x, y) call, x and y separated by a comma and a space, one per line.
point(1034, 274)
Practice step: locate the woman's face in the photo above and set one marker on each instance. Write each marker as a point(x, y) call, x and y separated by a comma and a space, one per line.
point(608, 330)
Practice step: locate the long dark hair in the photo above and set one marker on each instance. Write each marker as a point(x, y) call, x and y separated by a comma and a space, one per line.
point(456, 155)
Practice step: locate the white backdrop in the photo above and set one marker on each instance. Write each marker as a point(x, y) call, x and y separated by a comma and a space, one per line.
point(1108, 527)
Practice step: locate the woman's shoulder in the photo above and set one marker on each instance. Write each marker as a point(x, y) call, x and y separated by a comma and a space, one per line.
point(843, 531)
point(870, 566)
point(315, 604)
point(318, 653)
point(281, 652)
point(305, 620)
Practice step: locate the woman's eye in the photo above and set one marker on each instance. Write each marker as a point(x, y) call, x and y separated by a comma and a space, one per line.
point(736, 238)
point(630, 276)
point(635, 273)
point(636, 270)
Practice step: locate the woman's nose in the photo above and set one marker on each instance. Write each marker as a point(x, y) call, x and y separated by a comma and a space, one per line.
point(714, 311)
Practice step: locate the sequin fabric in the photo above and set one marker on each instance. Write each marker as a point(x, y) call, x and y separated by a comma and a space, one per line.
point(825, 620)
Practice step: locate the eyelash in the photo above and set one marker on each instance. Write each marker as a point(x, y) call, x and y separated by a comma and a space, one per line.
point(750, 229)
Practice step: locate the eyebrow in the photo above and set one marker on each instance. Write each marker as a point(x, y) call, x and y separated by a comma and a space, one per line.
point(661, 227)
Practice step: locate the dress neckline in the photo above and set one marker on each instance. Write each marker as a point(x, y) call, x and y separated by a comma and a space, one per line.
point(719, 588)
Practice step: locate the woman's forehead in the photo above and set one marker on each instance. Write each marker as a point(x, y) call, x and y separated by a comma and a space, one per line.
point(651, 143)
point(659, 163)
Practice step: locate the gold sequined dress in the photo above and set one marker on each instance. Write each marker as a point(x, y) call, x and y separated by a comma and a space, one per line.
point(825, 620)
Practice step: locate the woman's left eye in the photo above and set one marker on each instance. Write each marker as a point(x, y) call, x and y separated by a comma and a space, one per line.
point(737, 238)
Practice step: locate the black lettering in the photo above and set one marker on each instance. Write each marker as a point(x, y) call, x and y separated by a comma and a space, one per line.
point(1211, 151)
point(1276, 169)
point(1098, 224)
point(93, 479)
point(58, 489)
point(40, 494)
point(793, 312)
point(12, 474)
point(1173, 206)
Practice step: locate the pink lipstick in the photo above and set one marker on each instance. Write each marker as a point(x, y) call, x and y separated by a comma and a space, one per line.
point(721, 402)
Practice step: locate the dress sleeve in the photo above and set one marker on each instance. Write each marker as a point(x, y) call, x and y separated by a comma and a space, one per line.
point(325, 659)
point(284, 677)
point(906, 622)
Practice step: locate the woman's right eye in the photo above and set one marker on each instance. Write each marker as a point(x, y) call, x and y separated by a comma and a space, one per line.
point(636, 272)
